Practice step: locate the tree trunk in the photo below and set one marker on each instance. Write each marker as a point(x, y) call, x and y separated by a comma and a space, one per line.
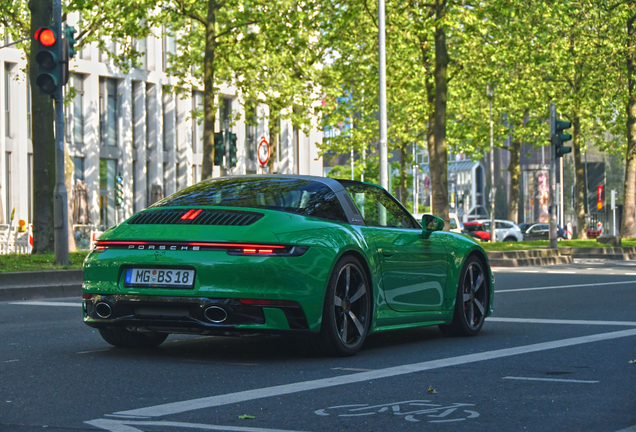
point(403, 186)
point(629, 188)
point(69, 168)
point(515, 173)
point(274, 116)
point(43, 138)
point(581, 196)
point(440, 164)
point(209, 108)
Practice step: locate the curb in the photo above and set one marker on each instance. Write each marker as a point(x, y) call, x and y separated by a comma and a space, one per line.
point(40, 285)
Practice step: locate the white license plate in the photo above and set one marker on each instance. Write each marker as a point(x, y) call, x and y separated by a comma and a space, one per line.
point(159, 277)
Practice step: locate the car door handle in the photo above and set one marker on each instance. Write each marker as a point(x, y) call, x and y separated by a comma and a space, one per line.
point(385, 252)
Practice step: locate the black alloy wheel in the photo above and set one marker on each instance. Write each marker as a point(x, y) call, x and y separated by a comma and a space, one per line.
point(471, 305)
point(347, 309)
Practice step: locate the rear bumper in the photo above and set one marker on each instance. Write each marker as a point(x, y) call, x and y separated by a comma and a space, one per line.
point(194, 315)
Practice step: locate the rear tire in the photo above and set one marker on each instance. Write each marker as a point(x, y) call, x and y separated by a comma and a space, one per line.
point(510, 239)
point(471, 304)
point(347, 310)
point(122, 338)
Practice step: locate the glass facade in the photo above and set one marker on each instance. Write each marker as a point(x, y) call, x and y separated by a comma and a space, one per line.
point(107, 209)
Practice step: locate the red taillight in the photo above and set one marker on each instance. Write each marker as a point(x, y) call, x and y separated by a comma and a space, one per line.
point(195, 214)
point(265, 251)
point(249, 251)
point(87, 296)
point(45, 36)
point(191, 214)
point(187, 215)
point(260, 302)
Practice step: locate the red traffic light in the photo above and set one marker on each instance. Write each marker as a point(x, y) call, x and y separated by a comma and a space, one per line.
point(45, 36)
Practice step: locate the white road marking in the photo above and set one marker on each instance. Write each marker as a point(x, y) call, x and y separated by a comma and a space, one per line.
point(285, 389)
point(125, 426)
point(631, 274)
point(11, 361)
point(352, 369)
point(560, 272)
point(629, 429)
point(530, 271)
point(551, 380)
point(565, 286)
point(44, 303)
point(558, 321)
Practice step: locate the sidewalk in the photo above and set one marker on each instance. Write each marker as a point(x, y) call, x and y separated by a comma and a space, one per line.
point(40, 285)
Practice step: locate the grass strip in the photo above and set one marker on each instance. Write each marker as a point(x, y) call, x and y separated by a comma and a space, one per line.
point(19, 262)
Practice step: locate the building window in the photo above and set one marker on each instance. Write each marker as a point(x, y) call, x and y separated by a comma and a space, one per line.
point(197, 122)
point(30, 186)
point(29, 110)
point(7, 99)
point(107, 170)
point(142, 47)
point(78, 171)
point(250, 133)
point(7, 185)
point(78, 110)
point(108, 111)
point(104, 56)
point(169, 48)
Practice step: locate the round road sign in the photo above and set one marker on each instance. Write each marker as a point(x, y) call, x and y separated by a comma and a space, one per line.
point(427, 182)
point(263, 152)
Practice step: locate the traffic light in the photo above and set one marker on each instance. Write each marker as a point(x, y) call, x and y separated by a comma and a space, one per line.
point(559, 137)
point(49, 77)
point(219, 148)
point(233, 151)
point(119, 190)
point(69, 32)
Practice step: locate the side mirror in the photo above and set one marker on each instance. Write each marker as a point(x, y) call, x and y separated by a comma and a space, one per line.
point(431, 223)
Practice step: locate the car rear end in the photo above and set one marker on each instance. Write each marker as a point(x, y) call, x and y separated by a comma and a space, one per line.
point(206, 270)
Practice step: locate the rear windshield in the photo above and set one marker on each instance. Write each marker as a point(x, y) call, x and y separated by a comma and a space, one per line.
point(474, 227)
point(299, 196)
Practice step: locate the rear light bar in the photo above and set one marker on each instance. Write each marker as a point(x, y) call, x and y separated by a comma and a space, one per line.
point(231, 248)
point(260, 302)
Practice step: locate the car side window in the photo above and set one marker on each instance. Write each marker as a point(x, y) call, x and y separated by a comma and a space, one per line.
point(378, 208)
point(453, 224)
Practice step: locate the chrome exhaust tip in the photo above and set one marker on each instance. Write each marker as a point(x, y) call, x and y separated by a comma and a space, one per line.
point(215, 314)
point(103, 310)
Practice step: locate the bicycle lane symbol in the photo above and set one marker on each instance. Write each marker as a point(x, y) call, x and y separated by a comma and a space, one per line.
point(409, 410)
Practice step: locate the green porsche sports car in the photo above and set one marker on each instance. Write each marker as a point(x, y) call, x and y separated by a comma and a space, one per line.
point(333, 259)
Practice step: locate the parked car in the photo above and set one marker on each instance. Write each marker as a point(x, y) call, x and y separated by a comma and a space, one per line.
point(478, 230)
point(541, 231)
point(506, 231)
point(455, 225)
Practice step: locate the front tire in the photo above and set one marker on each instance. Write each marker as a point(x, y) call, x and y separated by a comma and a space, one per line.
point(471, 304)
point(122, 338)
point(347, 310)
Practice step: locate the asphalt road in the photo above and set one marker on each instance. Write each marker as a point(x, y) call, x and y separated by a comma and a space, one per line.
point(554, 357)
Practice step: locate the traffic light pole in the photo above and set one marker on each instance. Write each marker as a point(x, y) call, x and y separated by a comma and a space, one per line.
point(60, 194)
point(553, 223)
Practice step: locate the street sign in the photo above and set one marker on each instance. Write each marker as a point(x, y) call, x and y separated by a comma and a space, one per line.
point(263, 152)
point(427, 182)
point(599, 197)
point(613, 200)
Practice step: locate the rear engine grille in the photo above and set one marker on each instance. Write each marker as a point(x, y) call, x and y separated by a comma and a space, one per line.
point(204, 217)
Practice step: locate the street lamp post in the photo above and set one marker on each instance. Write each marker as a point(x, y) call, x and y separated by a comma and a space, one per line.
point(493, 189)
point(384, 169)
